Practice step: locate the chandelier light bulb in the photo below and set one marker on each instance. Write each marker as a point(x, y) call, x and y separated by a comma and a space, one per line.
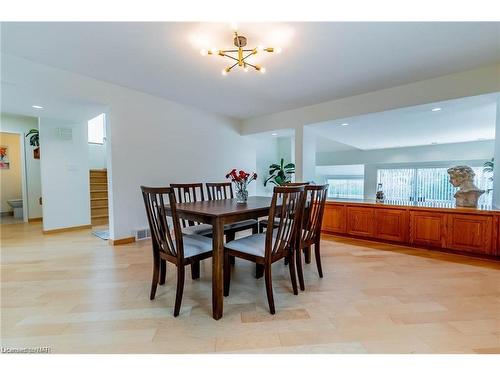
point(278, 50)
point(260, 47)
point(245, 69)
point(225, 71)
point(203, 52)
point(262, 70)
point(213, 50)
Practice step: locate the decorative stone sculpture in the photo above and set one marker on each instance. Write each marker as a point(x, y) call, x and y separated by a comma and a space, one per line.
point(468, 194)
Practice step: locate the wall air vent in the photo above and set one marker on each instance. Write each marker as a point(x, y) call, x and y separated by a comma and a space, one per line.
point(142, 234)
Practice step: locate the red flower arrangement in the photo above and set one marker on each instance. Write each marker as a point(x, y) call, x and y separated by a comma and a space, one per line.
point(241, 180)
point(241, 177)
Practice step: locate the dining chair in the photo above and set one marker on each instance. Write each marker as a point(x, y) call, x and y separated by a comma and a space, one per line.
point(177, 248)
point(192, 192)
point(263, 222)
point(310, 234)
point(273, 245)
point(259, 270)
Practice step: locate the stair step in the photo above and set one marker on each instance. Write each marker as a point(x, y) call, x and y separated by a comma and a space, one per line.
point(99, 216)
point(99, 185)
point(98, 180)
point(99, 211)
point(98, 203)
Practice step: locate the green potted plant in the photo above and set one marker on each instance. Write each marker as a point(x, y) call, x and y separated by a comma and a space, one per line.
point(280, 174)
point(34, 135)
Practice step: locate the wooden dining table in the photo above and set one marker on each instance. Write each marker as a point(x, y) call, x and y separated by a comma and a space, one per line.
point(218, 213)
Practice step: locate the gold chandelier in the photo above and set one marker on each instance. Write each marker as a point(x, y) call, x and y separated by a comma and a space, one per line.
point(240, 55)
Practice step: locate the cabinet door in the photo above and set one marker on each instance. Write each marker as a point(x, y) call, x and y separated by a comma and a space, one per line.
point(391, 224)
point(360, 221)
point(427, 228)
point(471, 233)
point(334, 218)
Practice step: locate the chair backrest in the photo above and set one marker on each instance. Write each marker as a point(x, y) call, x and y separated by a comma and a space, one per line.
point(286, 210)
point(185, 193)
point(314, 207)
point(219, 190)
point(155, 200)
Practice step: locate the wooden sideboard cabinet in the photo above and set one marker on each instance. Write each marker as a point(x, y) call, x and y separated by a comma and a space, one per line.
point(428, 228)
point(464, 230)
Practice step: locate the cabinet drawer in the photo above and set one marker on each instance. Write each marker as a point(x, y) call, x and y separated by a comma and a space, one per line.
point(334, 219)
point(427, 228)
point(470, 233)
point(360, 221)
point(391, 224)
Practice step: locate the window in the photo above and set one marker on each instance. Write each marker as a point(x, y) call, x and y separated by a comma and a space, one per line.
point(345, 187)
point(96, 129)
point(427, 185)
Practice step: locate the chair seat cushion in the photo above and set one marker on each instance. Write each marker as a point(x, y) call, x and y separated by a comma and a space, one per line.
point(266, 221)
point(243, 224)
point(201, 229)
point(253, 245)
point(195, 244)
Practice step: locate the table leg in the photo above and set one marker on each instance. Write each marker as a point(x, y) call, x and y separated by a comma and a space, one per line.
point(217, 269)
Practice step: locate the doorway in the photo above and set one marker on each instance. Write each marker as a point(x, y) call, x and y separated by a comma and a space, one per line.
point(13, 186)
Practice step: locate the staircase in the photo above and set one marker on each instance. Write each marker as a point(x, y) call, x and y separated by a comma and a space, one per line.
point(99, 196)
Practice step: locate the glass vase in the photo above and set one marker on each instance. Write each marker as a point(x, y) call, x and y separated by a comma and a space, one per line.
point(241, 194)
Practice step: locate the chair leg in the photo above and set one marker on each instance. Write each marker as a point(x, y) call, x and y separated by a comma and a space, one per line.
point(307, 254)
point(156, 272)
point(255, 229)
point(300, 272)
point(227, 273)
point(318, 258)
point(269, 288)
point(293, 276)
point(180, 289)
point(261, 227)
point(230, 237)
point(163, 271)
point(195, 270)
point(259, 271)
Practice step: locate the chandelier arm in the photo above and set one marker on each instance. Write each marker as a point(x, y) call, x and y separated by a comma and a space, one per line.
point(247, 56)
point(232, 66)
point(231, 57)
point(253, 66)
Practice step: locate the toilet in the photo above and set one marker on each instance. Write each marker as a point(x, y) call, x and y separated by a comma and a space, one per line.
point(17, 205)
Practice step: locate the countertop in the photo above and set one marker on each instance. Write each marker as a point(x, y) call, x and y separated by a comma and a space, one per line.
point(412, 204)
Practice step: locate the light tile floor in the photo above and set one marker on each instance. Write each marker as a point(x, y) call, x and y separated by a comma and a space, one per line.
point(76, 294)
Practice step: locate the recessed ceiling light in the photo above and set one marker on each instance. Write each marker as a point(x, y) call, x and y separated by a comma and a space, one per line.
point(37, 106)
point(274, 133)
point(437, 109)
point(344, 124)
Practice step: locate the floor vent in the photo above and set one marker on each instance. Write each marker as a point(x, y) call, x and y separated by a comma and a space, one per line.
point(142, 234)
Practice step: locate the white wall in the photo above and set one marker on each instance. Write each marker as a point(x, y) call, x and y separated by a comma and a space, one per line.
point(150, 140)
point(97, 156)
point(65, 174)
point(267, 153)
point(22, 125)
point(496, 171)
point(476, 150)
point(472, 82)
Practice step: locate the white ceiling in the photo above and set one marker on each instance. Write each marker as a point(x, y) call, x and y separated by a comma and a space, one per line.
point(460, 120)
point(319, 62)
